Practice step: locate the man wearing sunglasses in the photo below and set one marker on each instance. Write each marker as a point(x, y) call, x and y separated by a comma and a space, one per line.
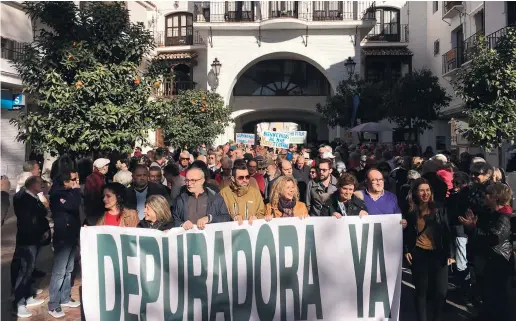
point(184, 161)
point(243, 201)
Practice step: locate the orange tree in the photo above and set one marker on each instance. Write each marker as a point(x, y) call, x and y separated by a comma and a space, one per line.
point(82, 72)
point(194, 117)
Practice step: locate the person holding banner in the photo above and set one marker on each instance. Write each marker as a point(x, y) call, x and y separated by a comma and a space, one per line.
point(243, 201)
point(343, 202)
point(157, 214)
point(284, 200)
point(116, 213)
point(198, 204)
point(427, 245)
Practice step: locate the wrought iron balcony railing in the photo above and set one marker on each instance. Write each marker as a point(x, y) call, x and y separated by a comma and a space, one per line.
point(163, 41)
point(256, 11)
point(171, 88)
point(12, 49)
point(389, 32)
point(470, 43)
point(448, 5)
point(453, 59)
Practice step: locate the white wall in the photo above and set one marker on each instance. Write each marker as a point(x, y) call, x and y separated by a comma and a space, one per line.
point(12, 151)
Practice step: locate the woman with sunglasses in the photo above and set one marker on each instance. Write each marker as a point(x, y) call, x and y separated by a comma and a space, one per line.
point(284, 200)
point(313, 173)
point(427, 244)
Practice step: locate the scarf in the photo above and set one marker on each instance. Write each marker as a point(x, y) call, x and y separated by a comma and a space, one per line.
point(238, 190)
point(156, 225)
point(286, 207)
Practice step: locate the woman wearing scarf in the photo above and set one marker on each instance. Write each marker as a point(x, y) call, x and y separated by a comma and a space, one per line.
point(157, 214)
point(284, 200)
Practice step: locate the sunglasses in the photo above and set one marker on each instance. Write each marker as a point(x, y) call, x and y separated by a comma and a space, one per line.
point(241, 178)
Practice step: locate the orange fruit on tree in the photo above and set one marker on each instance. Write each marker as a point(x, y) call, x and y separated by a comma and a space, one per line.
point(137, 81)
point(203, 110)
point(70, 57)
point(79, 84)
point(157, 84)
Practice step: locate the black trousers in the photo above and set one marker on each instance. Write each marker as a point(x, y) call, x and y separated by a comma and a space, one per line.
point(22, 266)
point(430, 277)
point(494, 289)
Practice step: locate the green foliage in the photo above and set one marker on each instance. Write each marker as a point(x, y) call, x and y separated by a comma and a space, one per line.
point(338, 109)
point(195, 117)
point(416, 100)
point(82, 72)
point(488, 88)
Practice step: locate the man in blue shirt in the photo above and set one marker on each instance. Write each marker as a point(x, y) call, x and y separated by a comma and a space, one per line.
point(378, 200)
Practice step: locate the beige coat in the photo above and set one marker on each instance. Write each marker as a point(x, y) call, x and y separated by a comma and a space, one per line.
point(129, 219)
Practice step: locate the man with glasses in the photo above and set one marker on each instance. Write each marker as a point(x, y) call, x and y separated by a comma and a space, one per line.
point(301, 173)
point(319, 191)
point(212, 162)
point(270, 177)
point(65, 203)
point(377, 199)
point(243, 201)
point(197, 204)
point(184, 161)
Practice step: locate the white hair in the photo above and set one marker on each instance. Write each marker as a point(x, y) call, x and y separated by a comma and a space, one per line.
point(123, 177)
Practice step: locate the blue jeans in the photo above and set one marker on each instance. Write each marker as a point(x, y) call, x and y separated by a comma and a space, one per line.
point(60, 281)
point(22, 266)
point(461, 254)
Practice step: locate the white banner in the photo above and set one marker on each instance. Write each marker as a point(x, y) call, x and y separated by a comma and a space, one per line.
point(275, 139)
point(244, 138)
point(288, 269)
point(297, 137)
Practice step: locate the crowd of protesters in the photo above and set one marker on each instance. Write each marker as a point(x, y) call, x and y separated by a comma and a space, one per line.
point(457, 213)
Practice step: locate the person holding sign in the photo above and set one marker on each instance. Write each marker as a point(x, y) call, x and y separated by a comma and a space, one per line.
point(284, 200)
point(198, 204)
point(243, 201)
point(427, 244)
point(343, 202)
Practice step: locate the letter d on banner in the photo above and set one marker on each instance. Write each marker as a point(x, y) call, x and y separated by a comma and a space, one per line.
point(106, 249)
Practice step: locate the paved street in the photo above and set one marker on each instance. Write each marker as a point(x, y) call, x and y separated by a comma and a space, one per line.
point(453, 310)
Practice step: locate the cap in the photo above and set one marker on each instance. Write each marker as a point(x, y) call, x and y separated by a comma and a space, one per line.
point(232, 148)
point(100, 162)
point(328, 155)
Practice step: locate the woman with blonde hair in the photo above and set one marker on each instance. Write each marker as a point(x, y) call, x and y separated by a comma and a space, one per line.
point(157, 214)
point(284, 200)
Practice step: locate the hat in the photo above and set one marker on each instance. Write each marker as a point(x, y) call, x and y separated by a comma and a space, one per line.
point(100, 162)
point(232, 148)
point(328, 155)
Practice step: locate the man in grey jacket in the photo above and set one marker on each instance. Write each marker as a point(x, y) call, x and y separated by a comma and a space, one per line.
point(318, 192)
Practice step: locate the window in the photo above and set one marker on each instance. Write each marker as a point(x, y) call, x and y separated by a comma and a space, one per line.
point(239, 11)
point(511, 13)
point(435, 5)
point(11, 49)
point(437, 48)
point(387, 25)
point(179, 29)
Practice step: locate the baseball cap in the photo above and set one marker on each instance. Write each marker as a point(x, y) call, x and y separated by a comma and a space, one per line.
point(328, 155)
point(100, 162)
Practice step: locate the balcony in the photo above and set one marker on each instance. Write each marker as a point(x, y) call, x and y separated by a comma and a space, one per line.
point(494, 38)
point(12, 49)
point(452, 60)
point(469, 45)
point(452, 8)
point(172, 88)
point(388, 32)
point(258, 11)
point(191, 40)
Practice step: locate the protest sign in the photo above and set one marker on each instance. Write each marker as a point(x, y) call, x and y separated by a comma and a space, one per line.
point(287, 269)
point(297, 137)
point(244, 138)
point(275, 139)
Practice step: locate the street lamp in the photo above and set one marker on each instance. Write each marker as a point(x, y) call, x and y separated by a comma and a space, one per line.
point(215, 68)
point(350, 66)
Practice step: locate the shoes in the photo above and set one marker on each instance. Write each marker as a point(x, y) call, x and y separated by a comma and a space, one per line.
point(57, 313)
point(22, 312)
point(38, 274)
point(33, 302)
point(71, 304)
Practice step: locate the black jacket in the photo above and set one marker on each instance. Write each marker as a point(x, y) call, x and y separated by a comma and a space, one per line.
point(495, 236)
point(456, 205)
point(152, 189)
point(65, 205)
point(355, 205)
point(31, 221)
point(216, 208)
point(162, 226)
point(439, 227)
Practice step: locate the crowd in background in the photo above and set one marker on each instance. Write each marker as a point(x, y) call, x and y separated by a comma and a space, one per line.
point(456, 212)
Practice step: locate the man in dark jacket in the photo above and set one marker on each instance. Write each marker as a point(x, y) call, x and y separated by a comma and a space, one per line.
point(32, 232)
point(65, 203)
point(198, 205)
point(141, 189)
point(93, 204)
point(301, 173)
